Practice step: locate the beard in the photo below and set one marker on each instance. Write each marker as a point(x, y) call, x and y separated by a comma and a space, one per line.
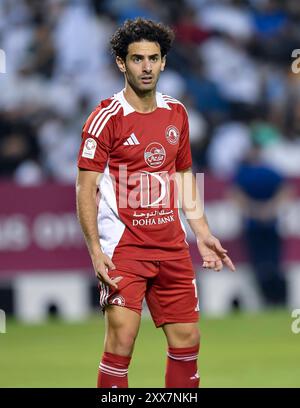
point(139, 87)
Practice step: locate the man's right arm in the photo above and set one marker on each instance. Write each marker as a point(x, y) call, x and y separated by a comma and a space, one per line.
point(86, 191)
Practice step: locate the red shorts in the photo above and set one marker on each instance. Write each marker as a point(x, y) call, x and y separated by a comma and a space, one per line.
point(169, 288)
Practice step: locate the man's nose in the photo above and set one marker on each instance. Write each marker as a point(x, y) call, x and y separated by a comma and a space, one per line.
point(147, 66)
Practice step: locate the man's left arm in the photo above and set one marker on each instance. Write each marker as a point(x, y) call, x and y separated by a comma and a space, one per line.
point(213, 254)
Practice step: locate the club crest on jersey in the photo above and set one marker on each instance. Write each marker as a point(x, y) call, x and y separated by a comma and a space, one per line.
point(172, 134)
point(155, 155)
point(117, 300)
point(89, 148)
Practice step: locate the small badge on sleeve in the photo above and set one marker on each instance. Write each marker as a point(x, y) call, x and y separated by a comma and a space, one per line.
point(89, 148)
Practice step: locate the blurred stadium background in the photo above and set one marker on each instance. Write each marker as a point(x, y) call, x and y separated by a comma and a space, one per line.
point(234, 68)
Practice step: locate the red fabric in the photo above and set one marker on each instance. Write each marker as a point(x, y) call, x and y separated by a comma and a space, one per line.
point(181, 371)
point(169, 287)
point(113, 371)
point(141, 154)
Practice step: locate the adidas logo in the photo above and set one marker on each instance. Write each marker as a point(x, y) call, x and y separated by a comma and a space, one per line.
point(131, 140)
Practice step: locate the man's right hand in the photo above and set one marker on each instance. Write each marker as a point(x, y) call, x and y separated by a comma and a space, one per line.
point(102, 264)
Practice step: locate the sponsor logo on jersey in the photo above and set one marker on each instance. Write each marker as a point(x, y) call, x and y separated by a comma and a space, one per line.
point(172, 134)
point(154, 189)
point(89, 148)
point(131, 140)
point(156, 217)
point(117, 300)
point(155, 155)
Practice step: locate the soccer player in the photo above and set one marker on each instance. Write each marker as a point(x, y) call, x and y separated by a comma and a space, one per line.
point(127, 201)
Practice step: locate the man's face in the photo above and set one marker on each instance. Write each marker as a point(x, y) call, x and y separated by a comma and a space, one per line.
point(143, 65)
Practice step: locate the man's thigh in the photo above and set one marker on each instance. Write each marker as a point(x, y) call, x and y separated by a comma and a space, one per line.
point(172, 296)
point(131, 289)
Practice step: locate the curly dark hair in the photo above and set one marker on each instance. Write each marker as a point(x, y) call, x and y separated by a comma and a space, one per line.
point(141, 29)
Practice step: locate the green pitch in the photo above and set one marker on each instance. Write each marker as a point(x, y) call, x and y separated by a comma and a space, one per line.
point(242, 350)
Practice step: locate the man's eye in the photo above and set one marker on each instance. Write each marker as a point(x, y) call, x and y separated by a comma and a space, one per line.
point(137, 59)
point(154, 59)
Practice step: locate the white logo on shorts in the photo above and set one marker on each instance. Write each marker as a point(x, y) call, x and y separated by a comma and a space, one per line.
point(117, 300)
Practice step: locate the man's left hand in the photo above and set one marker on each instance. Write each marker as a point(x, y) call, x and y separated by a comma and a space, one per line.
point(213, 254)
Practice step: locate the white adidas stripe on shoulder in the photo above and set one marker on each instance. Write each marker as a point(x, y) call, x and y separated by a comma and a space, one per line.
point(103, 116)
point(99, 115)
point(169, 99)
point(106, 119)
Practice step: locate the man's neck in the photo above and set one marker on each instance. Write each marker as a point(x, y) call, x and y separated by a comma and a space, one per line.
point(143, 103)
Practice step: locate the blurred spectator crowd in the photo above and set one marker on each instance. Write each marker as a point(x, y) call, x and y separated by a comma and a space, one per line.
point(231, 65)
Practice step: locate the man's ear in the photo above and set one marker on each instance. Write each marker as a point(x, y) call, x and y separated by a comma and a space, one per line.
point(121, 64)
point(163, 62)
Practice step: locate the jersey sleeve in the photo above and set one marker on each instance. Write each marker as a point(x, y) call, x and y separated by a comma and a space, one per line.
point(95, 146)
point(184, 156)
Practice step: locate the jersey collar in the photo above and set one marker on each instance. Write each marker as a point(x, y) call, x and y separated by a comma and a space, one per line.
point(127, 108)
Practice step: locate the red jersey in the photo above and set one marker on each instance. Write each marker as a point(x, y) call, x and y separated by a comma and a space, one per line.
point(138, 154)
